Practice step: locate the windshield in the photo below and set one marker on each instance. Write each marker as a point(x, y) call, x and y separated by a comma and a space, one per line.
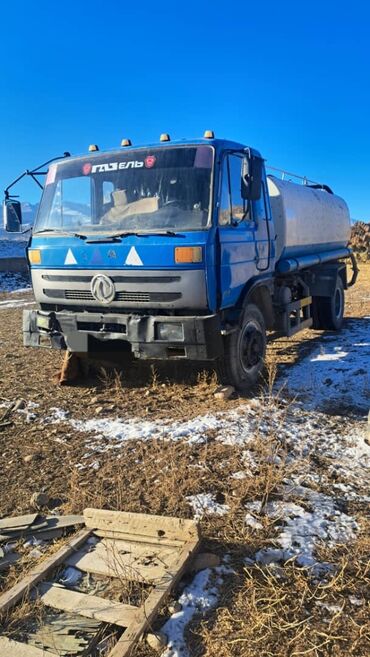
point(143, 190)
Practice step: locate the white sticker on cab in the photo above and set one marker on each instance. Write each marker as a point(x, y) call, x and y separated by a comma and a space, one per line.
point(70, 259)
point(133, 258)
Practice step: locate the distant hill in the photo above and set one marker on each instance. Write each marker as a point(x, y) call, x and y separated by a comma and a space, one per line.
point(29, 212)
point(13, 243)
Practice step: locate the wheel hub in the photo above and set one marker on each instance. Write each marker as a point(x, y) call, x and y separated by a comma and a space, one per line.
point(251, 347)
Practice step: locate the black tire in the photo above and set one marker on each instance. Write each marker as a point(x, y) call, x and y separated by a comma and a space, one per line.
point(244, 351)
point(328, 312)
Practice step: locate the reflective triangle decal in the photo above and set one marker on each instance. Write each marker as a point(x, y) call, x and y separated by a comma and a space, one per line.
point(70, 259)
point(133, 258)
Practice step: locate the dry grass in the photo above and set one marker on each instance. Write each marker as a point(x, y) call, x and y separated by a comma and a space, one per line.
point(284, 612)
point(22, 618)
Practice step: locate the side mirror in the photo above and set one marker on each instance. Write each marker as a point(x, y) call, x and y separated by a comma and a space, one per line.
point(251, 183)
point(12, 216)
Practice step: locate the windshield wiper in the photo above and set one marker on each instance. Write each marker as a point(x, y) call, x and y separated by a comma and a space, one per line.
point(109, 238)
point(169, 233)
point(61, 232)
point(119, 236)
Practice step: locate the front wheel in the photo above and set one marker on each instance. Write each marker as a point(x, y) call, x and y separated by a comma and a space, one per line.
point(328, 312)
point(244, 351)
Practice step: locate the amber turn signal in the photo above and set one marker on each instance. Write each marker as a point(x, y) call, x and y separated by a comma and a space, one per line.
point(188, 254)
point(34, 256)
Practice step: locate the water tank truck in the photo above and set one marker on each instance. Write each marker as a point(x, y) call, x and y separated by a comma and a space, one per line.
point(182, 250)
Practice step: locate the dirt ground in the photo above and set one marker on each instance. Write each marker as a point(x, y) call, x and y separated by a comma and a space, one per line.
point(260, 612)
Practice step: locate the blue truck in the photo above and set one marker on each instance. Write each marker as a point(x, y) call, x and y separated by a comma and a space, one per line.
point(182, 250)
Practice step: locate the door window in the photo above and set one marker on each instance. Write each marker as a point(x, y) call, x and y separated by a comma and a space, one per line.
point(238, 204)
point(259, 212)
point(224, 216)
point(233, 206)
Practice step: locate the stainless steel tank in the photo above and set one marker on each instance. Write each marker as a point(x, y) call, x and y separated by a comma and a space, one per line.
point(307, 220)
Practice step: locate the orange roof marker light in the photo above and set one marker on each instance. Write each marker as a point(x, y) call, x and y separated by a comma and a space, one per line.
point(93, 148)
point(126, 142)
point(165, 137)
point(209, 134)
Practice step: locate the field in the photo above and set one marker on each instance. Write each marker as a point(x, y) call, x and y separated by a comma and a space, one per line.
point(279, 480)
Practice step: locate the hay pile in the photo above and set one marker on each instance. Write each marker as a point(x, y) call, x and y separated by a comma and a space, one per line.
point(360, 240)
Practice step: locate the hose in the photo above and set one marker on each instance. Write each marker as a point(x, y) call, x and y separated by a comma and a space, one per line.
point(355, 270)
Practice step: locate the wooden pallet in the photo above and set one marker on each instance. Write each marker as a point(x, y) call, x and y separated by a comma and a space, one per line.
point(152, 550)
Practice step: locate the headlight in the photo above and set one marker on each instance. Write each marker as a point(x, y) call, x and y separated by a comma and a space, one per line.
point(43, 322)
point(169, 331)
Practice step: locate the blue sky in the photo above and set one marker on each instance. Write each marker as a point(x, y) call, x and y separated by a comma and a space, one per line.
point(290, 78)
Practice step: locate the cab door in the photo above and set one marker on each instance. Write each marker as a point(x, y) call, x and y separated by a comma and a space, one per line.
point(243, 231)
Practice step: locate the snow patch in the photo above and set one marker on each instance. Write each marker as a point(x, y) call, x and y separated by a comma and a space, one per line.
point(204, 504)
point(70, 576)
point(56, 416)
point(15, 303)
point(322, 379)
point(303, 527)
point(197, 598)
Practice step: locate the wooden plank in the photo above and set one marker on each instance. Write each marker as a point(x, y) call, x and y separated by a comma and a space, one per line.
point(14, 532)
point(125, 560)
point(17, 521)
point(145, 540)
point(10, 648)
point(139, 550)
point(47, 524)
point(47, 534)
point(91, 606)
point(106, 564)
point(148, 610)
point(61, 522)
point(141, 524)
point(39, 572)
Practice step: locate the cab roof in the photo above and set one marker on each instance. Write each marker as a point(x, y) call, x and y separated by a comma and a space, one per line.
point(219, 145)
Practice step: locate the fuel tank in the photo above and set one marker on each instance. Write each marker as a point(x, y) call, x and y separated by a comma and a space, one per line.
point(307, 220)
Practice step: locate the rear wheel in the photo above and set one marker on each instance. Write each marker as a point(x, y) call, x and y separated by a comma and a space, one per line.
point(244, 351)
point(328, 312)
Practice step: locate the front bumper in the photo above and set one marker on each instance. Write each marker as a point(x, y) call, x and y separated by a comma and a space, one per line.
point(201, 335)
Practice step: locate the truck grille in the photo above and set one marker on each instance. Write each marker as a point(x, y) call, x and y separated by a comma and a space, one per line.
point(133, 296)
point(128, 297)
point(84, 295)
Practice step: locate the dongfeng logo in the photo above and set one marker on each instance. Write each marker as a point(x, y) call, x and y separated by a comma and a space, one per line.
point(102, 288)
